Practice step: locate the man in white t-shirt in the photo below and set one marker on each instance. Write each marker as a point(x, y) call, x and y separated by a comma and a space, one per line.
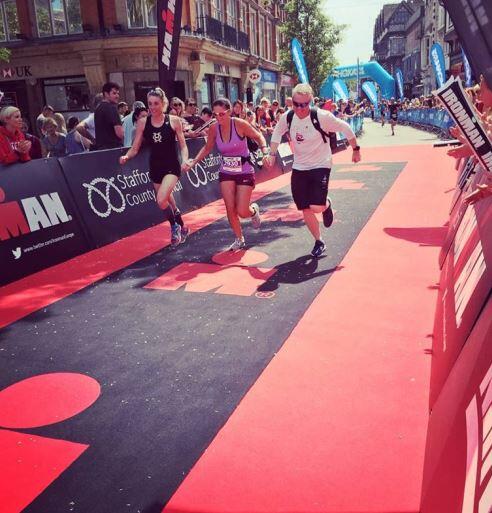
point(312, 159)
point(87, 127)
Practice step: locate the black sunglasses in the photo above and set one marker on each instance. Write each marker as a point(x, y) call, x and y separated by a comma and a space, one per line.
point(300, 105)
point(191, 104)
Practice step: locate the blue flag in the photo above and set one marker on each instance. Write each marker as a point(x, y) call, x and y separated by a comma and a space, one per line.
point(468, 71)
point(340, 89)
point(370, 89)
point(399, 82)
point(437, 59)
point(298, 58)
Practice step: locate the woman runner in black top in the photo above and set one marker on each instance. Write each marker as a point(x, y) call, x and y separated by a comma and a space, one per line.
point(160, 130)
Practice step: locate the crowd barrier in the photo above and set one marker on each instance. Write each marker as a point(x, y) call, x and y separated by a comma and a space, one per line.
point(429, 119)
point(458, 467)
point(54, 209)
point(356, 124)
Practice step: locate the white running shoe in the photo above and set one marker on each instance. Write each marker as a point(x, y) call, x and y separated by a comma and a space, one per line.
point(237, 245)
point(255, 218)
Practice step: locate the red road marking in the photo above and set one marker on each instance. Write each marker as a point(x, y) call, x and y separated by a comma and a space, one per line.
point(46, 399)
point(243, 257)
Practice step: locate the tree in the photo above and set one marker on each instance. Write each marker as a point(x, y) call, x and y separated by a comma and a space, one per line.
point(318, 36)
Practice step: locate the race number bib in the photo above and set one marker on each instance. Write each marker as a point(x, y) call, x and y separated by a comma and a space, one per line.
point(232, 164)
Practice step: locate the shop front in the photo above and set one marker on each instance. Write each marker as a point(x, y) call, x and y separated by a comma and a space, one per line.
point(267, 86)
point(287, 83)
point(220, 81)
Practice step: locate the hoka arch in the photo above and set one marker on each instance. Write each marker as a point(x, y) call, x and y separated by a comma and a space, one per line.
point(371, 69)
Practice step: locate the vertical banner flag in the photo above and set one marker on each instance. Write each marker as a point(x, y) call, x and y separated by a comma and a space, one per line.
point(460, 109)
point(468, 71)
point(370, 89)
point(298, 58)
point(399, 81)
point(437, 59)
point(340, 89)
point(168, 31)
point(472, 20)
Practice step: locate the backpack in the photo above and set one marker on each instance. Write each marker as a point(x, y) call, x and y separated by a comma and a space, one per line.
point(332, 136)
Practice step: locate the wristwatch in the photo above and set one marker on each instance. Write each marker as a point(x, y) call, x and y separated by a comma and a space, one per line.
point(357, 148)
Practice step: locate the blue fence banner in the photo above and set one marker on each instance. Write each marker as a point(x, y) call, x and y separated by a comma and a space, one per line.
point(39, 222)
point(340, 90)
point(431, 118)
point(370, 89)
point(438, 64)
point(356, 124)
point(298, 58)
point(399, 82)
point(468, 70)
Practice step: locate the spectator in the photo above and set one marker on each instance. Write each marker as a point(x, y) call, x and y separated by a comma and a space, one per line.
point(138, 113)
point(35, 152)
point(207, 114)
point(54, 142)
point(177, 107)
point(123, 109)
point(109, 132)
point(238, 110)
point(13, 145)
point(75, 142)
point(288, 103)
point(49, 112)
point(190, 114)
point(129, 125)
point(250, 106)
point(86, 128)
point(274, 109)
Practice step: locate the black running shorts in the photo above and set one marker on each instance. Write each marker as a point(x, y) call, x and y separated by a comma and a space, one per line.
point(310, 187)
point(158, 175)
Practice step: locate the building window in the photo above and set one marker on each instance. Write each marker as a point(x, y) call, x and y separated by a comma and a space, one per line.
point(262, 33)
point(58, 17)
point(67, 94)
point(243, 19)
point(269, 53)
point(9, 21)
point(234, 86)
point(201, 12)
point(206, 91)
point(232, 13)
point(141, 13)
point(218, 9)
point(253, 32)
point(220, 87)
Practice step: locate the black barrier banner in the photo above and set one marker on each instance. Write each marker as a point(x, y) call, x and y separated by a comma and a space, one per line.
point(472, 20)
point(114, 201)
point(168, 31)
point(459, 107)
point(39, 224)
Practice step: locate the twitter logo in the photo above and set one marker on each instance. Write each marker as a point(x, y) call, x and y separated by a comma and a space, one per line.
point(17, 252)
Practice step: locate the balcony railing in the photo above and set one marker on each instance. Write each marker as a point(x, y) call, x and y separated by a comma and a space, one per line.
point(213, 28)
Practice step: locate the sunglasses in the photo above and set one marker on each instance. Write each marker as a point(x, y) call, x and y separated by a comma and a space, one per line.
point(300, 105)
point(176, 104)
point(191, 104)
point(220, 114)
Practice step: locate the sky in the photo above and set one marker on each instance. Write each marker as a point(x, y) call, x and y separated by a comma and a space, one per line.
point(359, 16)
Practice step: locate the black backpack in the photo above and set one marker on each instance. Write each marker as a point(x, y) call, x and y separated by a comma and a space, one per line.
point(331, 136)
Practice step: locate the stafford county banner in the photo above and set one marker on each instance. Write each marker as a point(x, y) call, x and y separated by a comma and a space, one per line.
point(460, 109)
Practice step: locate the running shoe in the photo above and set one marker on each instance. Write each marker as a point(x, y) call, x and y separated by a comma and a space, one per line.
point(319, 249)
point(255, 218)
point(328, 215)
point(175, 235)
point(184, 233)
point(237, 245)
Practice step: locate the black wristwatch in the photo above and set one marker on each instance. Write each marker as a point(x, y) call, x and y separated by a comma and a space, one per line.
point(357, 148)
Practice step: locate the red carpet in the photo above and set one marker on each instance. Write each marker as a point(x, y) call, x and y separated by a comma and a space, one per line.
point(337, 421)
